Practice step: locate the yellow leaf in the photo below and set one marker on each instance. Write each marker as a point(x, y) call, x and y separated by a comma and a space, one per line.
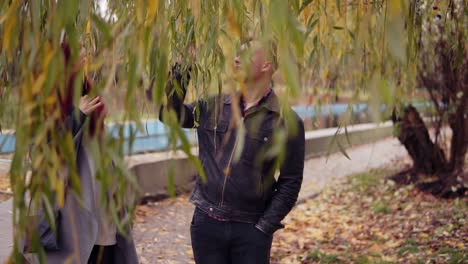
point(37, 85)
point(301, 242)
point(325, 73)
point(50, 102)
point(88, 27)
point(306, 12)
point(392, 244)
point(139, 11)
point(48, 58)
point(375, 249)
point(340, 54)
point(423, 235)
point(10, 22)
point(233, 25)
point(38, 161)
point(152, 11)
point(60, 193)
point(395, 8)
point(196, 8)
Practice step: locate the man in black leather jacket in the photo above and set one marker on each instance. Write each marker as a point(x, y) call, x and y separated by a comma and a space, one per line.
point(241, 203)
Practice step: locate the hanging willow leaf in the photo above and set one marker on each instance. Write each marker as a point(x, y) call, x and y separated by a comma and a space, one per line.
point(152, 8)
point(342, 149)
point(9, 19)
point(305, 4)
point(347, 135)
point(338, 6)
point(351, 34)
point(49, 209)
point(103, 28)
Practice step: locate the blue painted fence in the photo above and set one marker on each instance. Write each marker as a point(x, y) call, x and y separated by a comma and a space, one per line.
point(154, 134)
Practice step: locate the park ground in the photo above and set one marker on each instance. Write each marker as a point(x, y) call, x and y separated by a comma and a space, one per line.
point(349, 212)
point(368, 219)
point(363, 218)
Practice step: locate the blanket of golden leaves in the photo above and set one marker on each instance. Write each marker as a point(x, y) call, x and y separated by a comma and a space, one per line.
point(365, 219)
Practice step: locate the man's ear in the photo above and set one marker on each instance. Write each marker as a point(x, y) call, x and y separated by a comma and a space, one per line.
point(267, 66)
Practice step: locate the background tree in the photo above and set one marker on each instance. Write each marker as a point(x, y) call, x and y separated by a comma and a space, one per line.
point(442, 71)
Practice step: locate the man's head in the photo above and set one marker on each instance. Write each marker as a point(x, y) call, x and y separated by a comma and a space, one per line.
point(257, 59)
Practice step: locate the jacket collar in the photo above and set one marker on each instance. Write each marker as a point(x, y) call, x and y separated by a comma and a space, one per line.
point(271, 102)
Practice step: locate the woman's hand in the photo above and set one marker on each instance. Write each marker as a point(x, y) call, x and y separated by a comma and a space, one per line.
point(87, 105)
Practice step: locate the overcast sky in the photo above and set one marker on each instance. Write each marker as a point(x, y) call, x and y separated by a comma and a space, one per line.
point(102, 7)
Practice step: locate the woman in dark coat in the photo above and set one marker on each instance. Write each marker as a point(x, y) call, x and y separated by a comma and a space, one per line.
point(85, 232)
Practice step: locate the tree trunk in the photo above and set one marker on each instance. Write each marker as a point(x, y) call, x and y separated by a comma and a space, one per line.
point(431, 170)
point(458, 121)
point(459, 124)
point(428, 158)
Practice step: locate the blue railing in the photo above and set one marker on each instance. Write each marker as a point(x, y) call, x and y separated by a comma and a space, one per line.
point(7, 143)
point(153, 136)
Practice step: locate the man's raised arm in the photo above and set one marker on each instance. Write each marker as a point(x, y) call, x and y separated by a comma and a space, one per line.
point(176, 90)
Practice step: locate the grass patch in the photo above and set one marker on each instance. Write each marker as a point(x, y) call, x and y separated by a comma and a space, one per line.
point(380, 207)
point(461, 204)
point(324, 258)
point(453, 256)
point(364, 181)
point(367, 260)
point(408, 247)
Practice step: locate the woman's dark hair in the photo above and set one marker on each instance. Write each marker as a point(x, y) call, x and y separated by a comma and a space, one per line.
point(97, 120)
point(66, 95)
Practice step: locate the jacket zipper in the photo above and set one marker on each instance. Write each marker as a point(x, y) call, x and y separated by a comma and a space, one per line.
point(227, 170)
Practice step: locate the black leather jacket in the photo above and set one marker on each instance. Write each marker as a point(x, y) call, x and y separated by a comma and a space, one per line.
point(242, 187)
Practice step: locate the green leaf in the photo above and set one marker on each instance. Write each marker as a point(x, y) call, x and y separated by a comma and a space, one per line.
point(332, 142)
point(49, 212)
point(335, 140)
point(342, 149)
point(103, 29)
point(351, 34)
point(311, 25)
point(338, 5)
point(68, 11)
point(347, 135)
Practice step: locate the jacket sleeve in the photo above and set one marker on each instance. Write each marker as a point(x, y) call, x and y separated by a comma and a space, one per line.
point(176, 90)
point(74, 123)
point(288, 184)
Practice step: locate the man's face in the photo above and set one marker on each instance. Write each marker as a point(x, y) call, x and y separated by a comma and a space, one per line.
point(252, 62)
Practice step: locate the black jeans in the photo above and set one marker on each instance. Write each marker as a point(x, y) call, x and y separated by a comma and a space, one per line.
point(228, 242)
point(102, 255)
